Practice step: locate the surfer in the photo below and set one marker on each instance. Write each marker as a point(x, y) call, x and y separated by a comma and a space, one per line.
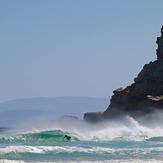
point(67, 137)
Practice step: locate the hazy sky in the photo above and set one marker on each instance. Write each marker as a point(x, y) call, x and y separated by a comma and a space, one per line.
point(74, 47)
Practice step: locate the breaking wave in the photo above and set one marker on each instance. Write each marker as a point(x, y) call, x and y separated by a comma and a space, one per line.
point(113, 140)
point(128, 129)
point(35, 138)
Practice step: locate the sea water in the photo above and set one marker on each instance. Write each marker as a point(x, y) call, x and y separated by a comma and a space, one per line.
point(112, 141)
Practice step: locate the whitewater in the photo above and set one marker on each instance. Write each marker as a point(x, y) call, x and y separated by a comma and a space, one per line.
point(123, 140)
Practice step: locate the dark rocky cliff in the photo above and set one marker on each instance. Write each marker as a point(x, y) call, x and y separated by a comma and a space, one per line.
point(143, 96)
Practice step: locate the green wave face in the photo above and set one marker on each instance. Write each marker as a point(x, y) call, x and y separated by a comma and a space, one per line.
point(58, 135)
point(155, 139)
point(44, 138)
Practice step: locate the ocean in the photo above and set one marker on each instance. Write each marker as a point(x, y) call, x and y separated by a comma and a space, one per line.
point(112, 141)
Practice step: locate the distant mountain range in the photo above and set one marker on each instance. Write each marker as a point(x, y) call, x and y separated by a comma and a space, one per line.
point(17, 111)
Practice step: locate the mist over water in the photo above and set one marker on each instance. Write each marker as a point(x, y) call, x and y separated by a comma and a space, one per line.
point(121, 140)
point(125, 127)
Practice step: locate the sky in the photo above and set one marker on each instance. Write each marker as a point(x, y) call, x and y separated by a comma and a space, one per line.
point(51, 48)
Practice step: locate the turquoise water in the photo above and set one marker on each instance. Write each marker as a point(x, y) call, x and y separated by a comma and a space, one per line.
point(88, 144)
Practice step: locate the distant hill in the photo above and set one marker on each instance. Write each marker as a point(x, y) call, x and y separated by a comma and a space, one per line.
point(17, 111)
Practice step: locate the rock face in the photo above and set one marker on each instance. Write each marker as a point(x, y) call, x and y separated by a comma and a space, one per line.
point(141, 97)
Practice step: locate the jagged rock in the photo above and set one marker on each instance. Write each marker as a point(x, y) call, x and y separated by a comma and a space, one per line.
point(160, 47)
point(140, 97)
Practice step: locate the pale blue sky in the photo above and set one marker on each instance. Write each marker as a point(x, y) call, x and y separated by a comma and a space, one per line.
point(74, 47)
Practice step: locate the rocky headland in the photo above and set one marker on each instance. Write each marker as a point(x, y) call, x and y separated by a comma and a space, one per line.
point(144, 96)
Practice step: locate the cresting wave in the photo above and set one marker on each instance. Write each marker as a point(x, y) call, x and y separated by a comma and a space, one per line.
point(114, 140)
point(126, 129)
point(36, 138)
point(57, 136)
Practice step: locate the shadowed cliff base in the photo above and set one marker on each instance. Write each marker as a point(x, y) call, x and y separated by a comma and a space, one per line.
point(142, 97)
